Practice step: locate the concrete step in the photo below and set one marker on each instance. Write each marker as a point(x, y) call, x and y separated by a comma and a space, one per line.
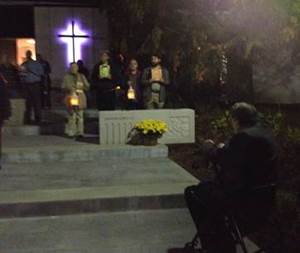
point(53, 124)
point(152, 231)
point(61, 112)
point(25, 130)
point(80, 187)
point(41, 149)
point(132, 232)
point(48, 128)
point(58, 127)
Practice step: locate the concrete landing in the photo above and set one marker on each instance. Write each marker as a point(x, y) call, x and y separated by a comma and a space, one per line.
point(79, 187)
point(152, 231)
point(41, 149)
point(121, 232)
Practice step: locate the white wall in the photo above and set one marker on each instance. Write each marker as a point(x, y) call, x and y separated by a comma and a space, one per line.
point(48, 22)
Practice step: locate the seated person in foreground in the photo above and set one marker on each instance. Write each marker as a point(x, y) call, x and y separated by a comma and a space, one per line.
point(246, 163)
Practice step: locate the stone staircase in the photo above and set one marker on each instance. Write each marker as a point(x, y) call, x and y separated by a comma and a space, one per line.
point(50, 175)
point(59, 195)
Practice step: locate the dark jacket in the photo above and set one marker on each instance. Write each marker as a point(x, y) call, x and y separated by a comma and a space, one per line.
point(5, 109)
point(106, 84)
point(248, 160)
point(146, 77)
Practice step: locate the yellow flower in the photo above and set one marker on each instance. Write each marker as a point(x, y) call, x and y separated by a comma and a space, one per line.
point(151, 126)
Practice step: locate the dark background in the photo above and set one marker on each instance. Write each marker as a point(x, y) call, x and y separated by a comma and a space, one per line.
point(16, 22)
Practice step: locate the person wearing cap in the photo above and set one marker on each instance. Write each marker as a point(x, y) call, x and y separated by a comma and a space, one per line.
point(75, 84)
point(246, 162)
point(155, 79)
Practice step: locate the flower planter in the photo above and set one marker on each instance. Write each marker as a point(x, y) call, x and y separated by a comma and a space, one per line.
point(147, 132)
point(150, 140)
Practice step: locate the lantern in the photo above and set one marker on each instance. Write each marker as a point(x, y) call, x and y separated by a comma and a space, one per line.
point(74, 100)
point(131, 94)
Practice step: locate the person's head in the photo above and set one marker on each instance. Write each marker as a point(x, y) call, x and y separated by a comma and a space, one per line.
point(133, 65)
point(39, 57)
point(243, 115)
point(80, 63)
point(74, 68)
point(28, 55)
point(104, 57)
point(155, 60)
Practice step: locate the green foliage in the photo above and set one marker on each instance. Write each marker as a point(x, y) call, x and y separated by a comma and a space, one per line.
point(274, 121)
point(193, 34)
point(222, 126)
point(277, 122)
point(293, 135)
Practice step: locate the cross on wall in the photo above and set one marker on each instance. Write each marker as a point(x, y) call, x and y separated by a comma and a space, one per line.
point(74, 37)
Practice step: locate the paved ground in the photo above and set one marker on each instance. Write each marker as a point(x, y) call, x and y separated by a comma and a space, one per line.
point(132, 232)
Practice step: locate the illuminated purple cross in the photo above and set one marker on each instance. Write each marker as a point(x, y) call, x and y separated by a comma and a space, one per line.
point(74, 37)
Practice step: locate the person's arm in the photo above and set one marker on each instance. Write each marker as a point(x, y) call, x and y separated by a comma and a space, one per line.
point(66, 86)
point(5, 108)
point(166, 77)
point(145, 77)
point(49, 70)
point(95, 74)
point(232, 161)
point(86, 84)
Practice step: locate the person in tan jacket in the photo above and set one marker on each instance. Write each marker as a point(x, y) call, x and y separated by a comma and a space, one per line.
point(75, 84)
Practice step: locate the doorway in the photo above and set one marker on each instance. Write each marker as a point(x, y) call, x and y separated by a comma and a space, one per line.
point(15, 49)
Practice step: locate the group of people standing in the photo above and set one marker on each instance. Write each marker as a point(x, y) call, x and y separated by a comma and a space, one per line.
point(128, 85)
point(116, 87)
point(30, 80)
point(116, 84)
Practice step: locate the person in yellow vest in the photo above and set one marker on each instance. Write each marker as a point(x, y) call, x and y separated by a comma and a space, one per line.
point(75, 84)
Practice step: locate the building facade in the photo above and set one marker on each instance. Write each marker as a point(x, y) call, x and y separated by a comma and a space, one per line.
point(61, 33)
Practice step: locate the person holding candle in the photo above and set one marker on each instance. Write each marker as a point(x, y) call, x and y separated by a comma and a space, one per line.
point(133, 85)
point(75, 84)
